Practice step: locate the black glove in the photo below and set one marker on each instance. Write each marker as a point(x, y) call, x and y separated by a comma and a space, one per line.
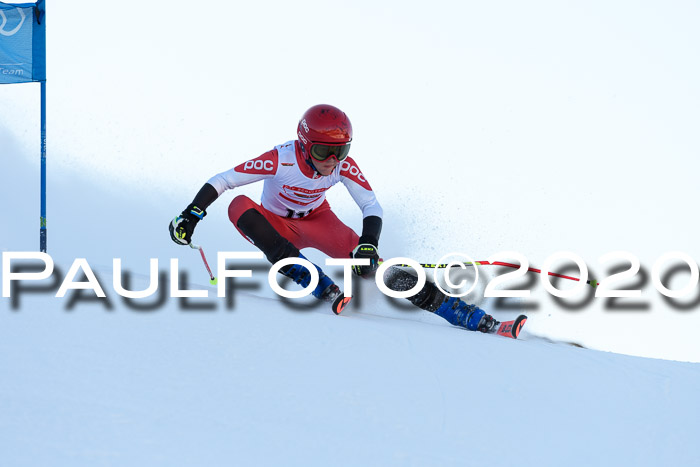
point(182, 227)
point(368, 251)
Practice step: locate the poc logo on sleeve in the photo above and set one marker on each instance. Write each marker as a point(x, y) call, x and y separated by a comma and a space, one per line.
point(354, 171)
point(258, 164)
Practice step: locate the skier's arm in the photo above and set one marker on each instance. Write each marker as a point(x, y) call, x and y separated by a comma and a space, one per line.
point(372, 212)
point(205, 197)
point(366, 201)
point(254, 170)
point(360, 190)
point(182, 227)
point(371, 229)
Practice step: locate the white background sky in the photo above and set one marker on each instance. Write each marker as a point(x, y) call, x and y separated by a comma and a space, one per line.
point(534, 127)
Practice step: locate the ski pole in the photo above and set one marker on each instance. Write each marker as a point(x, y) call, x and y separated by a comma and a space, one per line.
point(212, 279)
point(592, 282)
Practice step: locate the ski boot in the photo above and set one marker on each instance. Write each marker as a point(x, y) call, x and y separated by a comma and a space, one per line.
point(488, 324)
point(326, 289)
point(471, 317)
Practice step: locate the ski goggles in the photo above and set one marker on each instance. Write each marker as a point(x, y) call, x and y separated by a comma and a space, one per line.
point(321, 152)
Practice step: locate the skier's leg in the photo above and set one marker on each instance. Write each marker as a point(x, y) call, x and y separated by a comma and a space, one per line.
point(324, 231)
point(430, 298)
point(260, 227)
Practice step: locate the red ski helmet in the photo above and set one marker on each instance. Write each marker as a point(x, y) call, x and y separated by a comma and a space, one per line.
point(324, 125)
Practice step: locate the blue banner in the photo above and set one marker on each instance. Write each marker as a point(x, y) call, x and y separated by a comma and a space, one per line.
point(22, 42)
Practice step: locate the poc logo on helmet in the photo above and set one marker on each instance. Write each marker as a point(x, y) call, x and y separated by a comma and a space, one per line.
point(345, 165)
point(259, 165)
point(304, 125)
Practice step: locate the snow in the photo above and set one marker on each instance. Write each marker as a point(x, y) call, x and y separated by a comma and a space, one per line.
point(251, 380)
point(267, 385)
point(482, 128)
point(262, 384)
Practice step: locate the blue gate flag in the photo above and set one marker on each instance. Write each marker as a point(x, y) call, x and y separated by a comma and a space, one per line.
point(22, 42)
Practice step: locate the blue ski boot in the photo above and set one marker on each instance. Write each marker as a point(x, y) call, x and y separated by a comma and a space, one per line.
point(459, 313)
point(326, 289)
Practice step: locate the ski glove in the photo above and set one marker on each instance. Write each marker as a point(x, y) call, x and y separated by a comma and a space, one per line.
point(182, 227)
point(366, 251)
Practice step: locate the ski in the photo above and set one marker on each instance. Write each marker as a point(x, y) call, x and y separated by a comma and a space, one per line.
point(339, 303)
point(510, 328)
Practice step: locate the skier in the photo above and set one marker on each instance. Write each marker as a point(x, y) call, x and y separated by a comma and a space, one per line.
point(294, 214)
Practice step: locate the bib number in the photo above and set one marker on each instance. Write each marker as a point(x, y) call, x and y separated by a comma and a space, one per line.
point(291, 214)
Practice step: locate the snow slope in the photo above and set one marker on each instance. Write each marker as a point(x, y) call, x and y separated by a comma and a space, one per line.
point(256, 381)
point(266, 385)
